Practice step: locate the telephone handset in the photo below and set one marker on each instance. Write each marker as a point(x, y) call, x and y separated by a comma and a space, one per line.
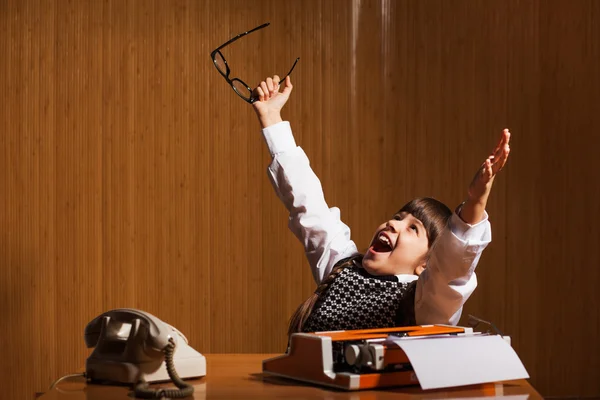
point(135, 347)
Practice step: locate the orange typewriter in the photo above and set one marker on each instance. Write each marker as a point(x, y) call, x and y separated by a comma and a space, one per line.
point(353, 360)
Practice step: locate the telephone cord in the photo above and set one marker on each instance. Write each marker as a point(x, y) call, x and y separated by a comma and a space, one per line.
point(142, 389)
point(65, 377)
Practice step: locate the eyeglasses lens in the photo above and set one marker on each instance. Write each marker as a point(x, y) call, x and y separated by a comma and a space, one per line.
point(220, 63)
point(241, 89)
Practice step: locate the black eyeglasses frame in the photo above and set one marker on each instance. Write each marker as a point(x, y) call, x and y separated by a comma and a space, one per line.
point(213, 55)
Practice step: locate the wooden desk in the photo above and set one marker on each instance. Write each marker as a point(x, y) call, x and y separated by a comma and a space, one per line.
point(239, 376)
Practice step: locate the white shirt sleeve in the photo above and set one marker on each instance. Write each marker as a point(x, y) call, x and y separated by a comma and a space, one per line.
point(449, 278)
point(326, 239)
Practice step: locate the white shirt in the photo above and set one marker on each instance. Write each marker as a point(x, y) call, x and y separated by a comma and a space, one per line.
point(449, 278)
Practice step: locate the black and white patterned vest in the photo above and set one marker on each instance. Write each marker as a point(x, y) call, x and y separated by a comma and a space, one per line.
point(358, 300)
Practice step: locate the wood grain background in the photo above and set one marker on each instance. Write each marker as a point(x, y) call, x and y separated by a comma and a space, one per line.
point(131, 175)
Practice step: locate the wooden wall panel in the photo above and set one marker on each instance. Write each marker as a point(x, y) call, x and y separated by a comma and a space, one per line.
point(569, 58)
point(133, 176)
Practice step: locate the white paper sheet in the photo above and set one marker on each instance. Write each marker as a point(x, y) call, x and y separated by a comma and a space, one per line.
point(442, 362)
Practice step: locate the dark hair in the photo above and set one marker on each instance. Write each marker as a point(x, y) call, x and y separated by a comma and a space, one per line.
point(432, 213)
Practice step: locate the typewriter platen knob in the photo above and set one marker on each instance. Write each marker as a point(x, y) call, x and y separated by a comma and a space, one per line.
point(369, 355)
point(352, 354)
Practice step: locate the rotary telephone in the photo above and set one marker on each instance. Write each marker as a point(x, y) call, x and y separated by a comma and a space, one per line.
point(135, 347)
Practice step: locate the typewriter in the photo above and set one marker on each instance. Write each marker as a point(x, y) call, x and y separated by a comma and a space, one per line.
point(354, 360)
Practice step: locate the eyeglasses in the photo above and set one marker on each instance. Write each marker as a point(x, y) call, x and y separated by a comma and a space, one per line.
point(238, 85)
